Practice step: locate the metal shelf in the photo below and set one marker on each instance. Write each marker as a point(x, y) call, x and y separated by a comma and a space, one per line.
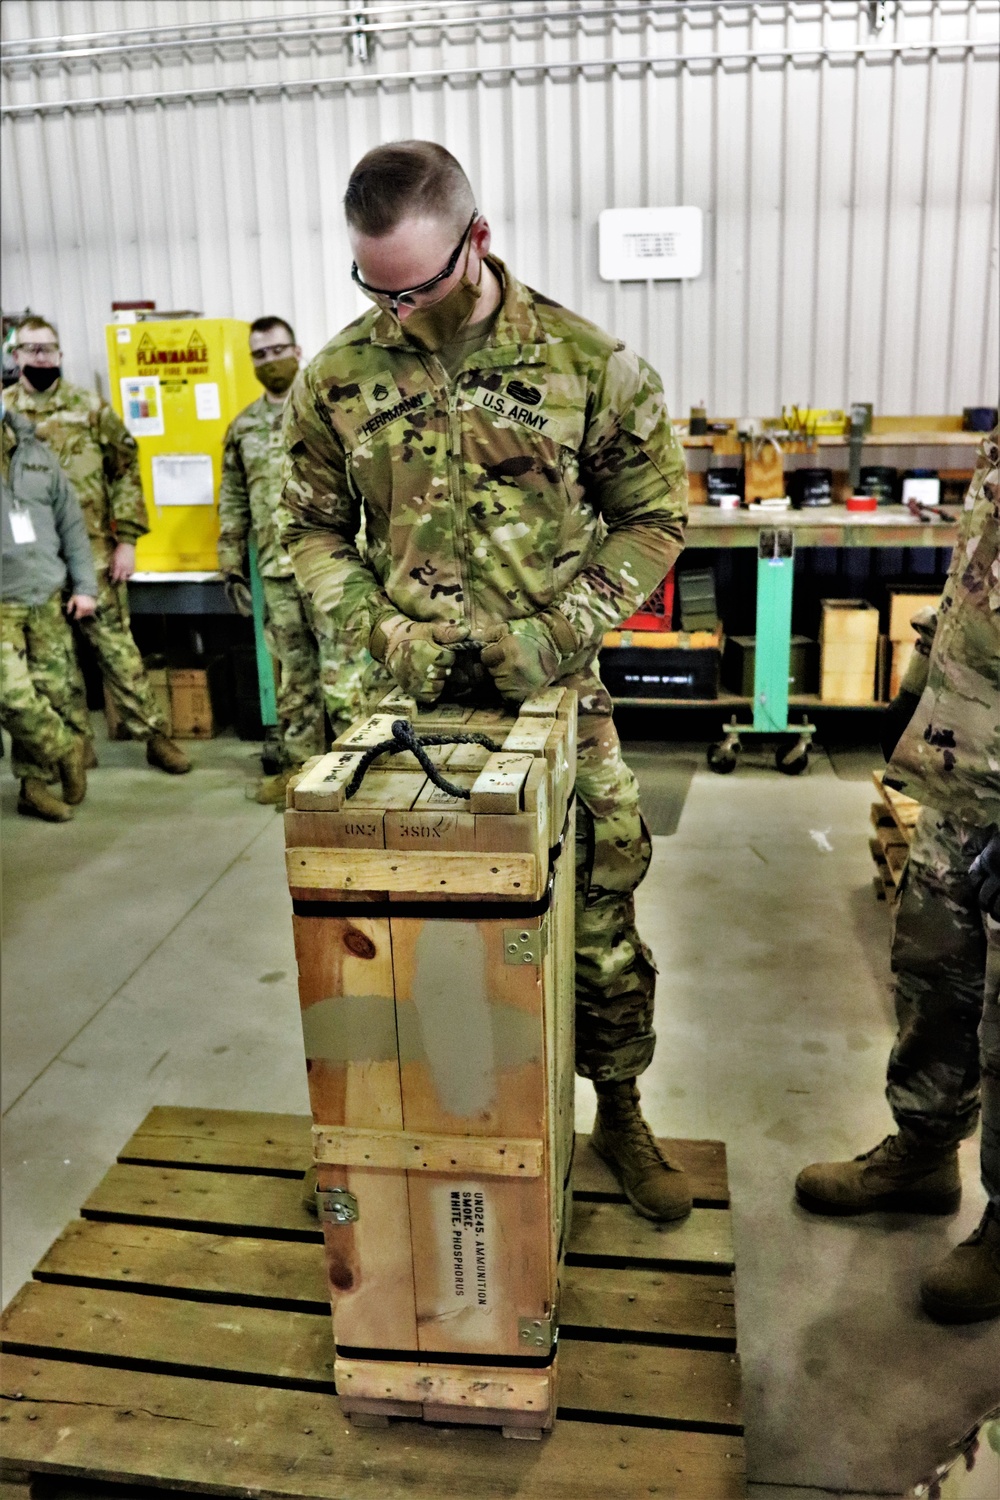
point(811, 701)
point(901, 439)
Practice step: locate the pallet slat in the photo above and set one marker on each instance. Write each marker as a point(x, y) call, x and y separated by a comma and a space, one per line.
point(237, 1268)
point(638, 1301)
point(180, 1195)
point(186, 1197)
point(704, 1162)
point(243, 1139)
point(224, 1266)
point(276, 1346)
point(612, 1230)
point(281, 1347)
point(219, 1438)
point(631, 1380)
point(222, 1137)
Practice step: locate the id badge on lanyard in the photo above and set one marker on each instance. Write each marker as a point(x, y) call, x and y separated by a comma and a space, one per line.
point(22, 526)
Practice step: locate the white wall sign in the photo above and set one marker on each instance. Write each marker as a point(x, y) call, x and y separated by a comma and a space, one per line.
point(206, 401)
point(649, 244)
point(183, 479)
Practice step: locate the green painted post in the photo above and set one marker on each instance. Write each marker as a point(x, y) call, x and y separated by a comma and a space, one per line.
point(775, 571)
point(265, 666)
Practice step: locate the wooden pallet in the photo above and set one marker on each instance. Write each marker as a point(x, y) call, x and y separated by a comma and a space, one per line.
point(178, 1334)
point(893, 818)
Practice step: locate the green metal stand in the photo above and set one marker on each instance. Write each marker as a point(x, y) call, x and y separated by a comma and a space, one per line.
point(775, 571)
point(772, 655)
point(270, 756)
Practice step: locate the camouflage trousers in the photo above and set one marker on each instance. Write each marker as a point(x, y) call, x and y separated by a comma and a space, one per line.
point(39, 685)
point(945, 1064)
point(317, 670)
point(109, 631)
point(615, 973)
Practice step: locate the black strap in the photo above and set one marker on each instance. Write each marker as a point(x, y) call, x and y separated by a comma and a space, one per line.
point(404, 737)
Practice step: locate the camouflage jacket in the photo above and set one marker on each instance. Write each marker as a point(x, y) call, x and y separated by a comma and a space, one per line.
point(250, 491)
point(98, 455)
point(546, 475)
point(949, 755)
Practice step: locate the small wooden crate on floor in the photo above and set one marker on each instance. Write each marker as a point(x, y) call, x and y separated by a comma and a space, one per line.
point(178, 1336)
point(434, 941)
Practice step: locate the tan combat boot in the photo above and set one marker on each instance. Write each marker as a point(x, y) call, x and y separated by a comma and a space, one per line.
point(654, 1186)
point(167, 756)
point(271, 791)
point(899, 1175)
point(965, 1286)
point(73, 776)
point(36, 801)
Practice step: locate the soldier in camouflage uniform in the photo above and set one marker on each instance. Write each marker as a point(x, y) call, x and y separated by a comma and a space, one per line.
point(44, 542)
point(316, 666)
point(523, 491)
point(945, 1064)
point(101, 460)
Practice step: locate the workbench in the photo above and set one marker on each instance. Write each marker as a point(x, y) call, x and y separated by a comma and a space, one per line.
point(832, 526)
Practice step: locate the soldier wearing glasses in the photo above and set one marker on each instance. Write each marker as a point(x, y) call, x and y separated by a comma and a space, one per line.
point(522, 490)
point(317, 668)
point(99, 457)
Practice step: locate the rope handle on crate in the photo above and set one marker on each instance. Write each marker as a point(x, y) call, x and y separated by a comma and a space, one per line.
point(405, 738)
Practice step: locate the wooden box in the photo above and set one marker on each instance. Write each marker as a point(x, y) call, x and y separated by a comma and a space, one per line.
point(848, 651)
point(190, 703)
point(435, 947)
point(903, 605)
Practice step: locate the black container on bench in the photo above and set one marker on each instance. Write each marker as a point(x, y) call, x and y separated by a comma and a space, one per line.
point(661, 671)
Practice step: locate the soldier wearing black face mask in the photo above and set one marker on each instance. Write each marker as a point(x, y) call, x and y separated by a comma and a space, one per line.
point(319, 669)
point(99, 457)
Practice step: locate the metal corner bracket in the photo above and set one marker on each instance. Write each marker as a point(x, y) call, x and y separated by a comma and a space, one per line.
point(337, 1206)
point(526, 945)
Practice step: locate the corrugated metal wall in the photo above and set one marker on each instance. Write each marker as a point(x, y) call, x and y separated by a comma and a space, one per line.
point(848, 174)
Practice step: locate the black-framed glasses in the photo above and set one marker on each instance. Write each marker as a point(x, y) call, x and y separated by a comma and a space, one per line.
point(406, 298)
point(270, 351)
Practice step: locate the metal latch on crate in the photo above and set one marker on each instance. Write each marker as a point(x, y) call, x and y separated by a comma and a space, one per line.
point(526, 945)
point(538, 1333)
point(337, 1206)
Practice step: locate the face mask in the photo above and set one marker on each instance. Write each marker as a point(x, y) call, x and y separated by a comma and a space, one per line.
point(40, 377)
point(440, 324)
point(277, 375)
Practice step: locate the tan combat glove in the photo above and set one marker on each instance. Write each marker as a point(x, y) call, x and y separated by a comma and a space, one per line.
point(900, 711)
point(416, 653)
point(524, 656)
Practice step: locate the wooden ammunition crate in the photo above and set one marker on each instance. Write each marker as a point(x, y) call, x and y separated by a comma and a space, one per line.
point(435, 947)
point(176, 1340)
point(903, 605)
point(848, 637)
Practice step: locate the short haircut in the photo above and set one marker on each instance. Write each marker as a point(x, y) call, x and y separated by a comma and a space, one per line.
point(407, 179)
point(36, 322)
point(261, 325)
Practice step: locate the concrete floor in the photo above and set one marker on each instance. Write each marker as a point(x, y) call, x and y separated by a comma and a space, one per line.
point(148, 960)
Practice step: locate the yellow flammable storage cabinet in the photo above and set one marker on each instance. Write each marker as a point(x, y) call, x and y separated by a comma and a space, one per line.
point(177, 384)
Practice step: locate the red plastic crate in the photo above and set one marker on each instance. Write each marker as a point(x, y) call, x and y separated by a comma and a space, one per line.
point(658, 611)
